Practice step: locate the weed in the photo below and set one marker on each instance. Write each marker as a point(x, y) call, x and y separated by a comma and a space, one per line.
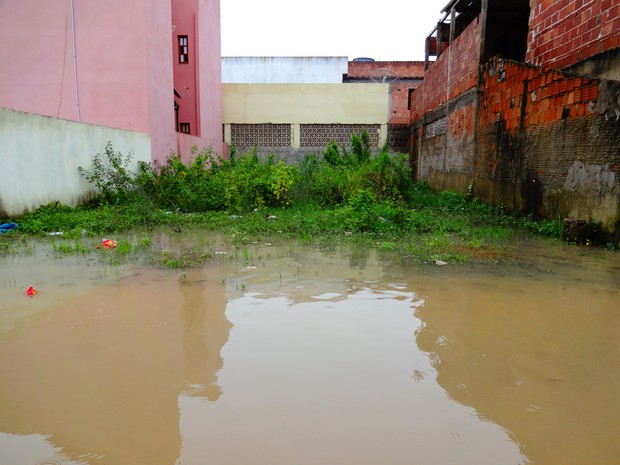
point(346, 191)
point(69, 248)
point(123, 247)
point(110, 174)
point(187, 259)
point(144, 243)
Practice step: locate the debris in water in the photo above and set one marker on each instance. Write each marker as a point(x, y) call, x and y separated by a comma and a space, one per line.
point(31, 291)
point(440, 262)
point(107, 244)
point(6, 227)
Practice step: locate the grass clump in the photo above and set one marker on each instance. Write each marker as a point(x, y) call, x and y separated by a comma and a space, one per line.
point(343, 192)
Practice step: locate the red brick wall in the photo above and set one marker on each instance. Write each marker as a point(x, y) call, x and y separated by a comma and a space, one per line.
point(565, 32)
point(454, 72)
point(460, 140)
point(551, 95)
point(402, 68)
point(399, 89)
point(399, 93)
point(536, 125)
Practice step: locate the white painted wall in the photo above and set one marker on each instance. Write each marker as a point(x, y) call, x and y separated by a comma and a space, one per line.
point(40, 157)
point(283, 70)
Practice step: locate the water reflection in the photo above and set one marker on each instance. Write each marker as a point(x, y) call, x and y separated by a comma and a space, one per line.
point(535, 352)
point(306, 355)
point(100, 376)
point(205, 330)
point(327, 379)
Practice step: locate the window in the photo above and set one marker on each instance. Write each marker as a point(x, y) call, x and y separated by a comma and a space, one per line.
point(184, 128)
point(409, 98)
point(183, 52)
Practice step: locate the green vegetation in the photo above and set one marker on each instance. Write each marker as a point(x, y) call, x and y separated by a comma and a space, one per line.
point(346, 193)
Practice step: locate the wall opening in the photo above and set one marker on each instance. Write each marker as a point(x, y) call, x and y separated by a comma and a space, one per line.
point(506, 34)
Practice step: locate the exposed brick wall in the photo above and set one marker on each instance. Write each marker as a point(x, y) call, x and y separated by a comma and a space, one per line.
point(406, 75)
point(547, 141)
point(551, 95)
point(454, 72)
point(460, 139)
point(565, 32)
point(360, 69)
point(399, 100)
point(464, 53)
point(537, 126)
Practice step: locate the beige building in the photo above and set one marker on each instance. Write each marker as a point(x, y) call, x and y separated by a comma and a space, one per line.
point(289, 119)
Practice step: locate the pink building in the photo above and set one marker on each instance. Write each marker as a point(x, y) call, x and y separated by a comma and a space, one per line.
point(150, 66)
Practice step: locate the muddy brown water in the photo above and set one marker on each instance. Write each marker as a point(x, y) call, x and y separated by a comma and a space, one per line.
point(292, 354)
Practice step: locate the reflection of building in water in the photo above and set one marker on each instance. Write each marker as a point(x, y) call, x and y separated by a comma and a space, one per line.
point(102, 376)
point(206, 330)
point(535, 362)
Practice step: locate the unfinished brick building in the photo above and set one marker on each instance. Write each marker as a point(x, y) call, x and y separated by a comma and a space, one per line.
point(403, 77)
point(522, 107)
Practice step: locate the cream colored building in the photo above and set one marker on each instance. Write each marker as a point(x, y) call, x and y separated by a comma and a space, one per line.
point(303, 117)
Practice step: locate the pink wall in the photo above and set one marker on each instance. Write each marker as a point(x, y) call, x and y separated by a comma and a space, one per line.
point(211, 75)
point(46, 50)
point(38, 71)
point(160, 78)
point(124, 59)
point(201, 104)
point(184, 18)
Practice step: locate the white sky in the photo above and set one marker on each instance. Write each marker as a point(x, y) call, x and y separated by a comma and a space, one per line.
point(384, 30)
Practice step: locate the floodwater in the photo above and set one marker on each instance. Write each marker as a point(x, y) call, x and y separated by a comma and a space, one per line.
point(290, 354)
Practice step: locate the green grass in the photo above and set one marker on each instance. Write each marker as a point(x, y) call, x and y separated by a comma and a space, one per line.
point(347, 195)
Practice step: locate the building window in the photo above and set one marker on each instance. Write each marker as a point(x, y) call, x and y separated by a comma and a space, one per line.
point(183, 51)
point(184, 128)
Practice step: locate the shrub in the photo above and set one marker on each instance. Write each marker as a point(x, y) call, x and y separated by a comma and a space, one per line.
point(110, 174)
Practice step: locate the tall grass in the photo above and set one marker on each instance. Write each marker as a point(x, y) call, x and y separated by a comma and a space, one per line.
point(344, 190)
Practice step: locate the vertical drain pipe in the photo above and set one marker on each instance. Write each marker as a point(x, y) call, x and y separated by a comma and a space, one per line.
point(75, 77)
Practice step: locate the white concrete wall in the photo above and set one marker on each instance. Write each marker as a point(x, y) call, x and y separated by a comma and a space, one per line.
point(283, 70)
point(40, 157)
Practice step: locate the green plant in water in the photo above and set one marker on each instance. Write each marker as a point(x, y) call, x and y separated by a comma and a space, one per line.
point(123, 247)
point(168, 259)
point(69, 248)
point(187, 259)
point(144, 243)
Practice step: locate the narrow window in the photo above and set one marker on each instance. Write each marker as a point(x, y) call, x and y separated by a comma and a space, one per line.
point(184, 128)
point(183, 53)
point(409, 98)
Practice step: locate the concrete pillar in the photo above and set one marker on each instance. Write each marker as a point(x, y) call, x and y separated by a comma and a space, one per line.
point(383, 134)
point(227, 132)
point(296, 135)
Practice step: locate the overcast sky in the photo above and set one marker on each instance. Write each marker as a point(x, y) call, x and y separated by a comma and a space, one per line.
point(383, 30)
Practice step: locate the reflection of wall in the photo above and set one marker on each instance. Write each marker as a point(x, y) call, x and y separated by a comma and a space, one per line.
point(205, 332)
point(101, 377)
point(528, 354)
